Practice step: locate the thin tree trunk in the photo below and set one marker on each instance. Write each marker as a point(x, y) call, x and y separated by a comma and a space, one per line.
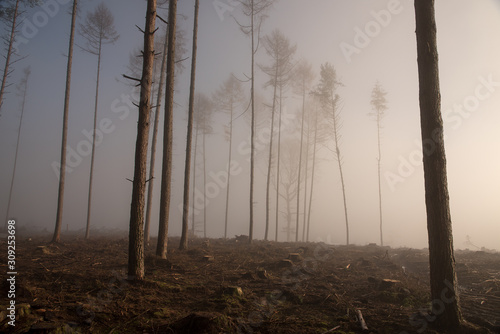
point(229, 168)
point(252, 134)
point(136, 232)
point(187, 167)
point(154, 140)
point(300, 167)
point(339, 161)
point(62, 172)
point(194, 178)
point(204, 188)
point(306, 169)
point(443, 278)
point(288, 214)
point(23, 103)
point(312, 174)
point(379, 180)
point(270, 154)
point(87, 231)
point(161, 249)
point(9, 53)
point(278, 170)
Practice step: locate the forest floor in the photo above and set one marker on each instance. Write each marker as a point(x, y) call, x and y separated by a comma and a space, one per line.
point(229, 286)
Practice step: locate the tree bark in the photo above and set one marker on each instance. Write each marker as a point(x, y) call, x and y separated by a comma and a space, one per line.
point(136, 232)
point(161, 249)
point(62, 173)
point(443, 279)
point(9, 52)
point(252, 131)
point(187, 168)
point(154, 140)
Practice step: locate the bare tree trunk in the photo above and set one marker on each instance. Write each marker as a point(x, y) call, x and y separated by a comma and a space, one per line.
point(9, 52)
point(306, 169)
point(379, 180)
point(154, 140)
point(252, 133)
point(24, 88)
point(161, 249)
point(270, 155)
point(300, 167)
point(229, 170)
point(204, 187)
point(194, 178)
point(62, 173)
point(87, 230)
point(443, 278)
point(278, 170)
point(136, 232)
point(187, 168)
point(339, 161)
point(312, 174)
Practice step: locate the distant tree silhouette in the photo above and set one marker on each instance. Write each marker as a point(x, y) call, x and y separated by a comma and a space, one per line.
point(330, 102)
point(10, 12)
point(22, 88)
point(228, 98)
point(97, 31)
point(281, 52)
point(379, 105)
point(255, 10)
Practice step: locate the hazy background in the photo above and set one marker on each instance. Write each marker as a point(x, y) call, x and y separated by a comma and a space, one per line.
point(469, 51)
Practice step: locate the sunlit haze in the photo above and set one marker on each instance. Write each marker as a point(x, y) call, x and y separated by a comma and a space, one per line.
point(358, 38)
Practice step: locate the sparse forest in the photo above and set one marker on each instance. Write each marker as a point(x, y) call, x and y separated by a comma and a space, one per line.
point(285, 191)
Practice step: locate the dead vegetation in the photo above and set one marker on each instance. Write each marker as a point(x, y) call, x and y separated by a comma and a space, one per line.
point(229, 286)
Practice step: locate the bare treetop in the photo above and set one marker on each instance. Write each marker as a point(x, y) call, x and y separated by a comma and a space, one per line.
point(378, 101)
point(98, 29)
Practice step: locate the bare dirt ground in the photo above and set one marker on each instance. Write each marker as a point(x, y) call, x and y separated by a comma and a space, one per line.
point(229, 286)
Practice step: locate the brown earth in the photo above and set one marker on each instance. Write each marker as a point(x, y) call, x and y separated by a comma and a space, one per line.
point(229, 286)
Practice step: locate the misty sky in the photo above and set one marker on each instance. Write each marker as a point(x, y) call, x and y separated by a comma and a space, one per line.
point(356, 37)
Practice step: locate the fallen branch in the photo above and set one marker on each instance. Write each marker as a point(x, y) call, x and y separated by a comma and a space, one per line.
point(331, 330)
point(362, 322)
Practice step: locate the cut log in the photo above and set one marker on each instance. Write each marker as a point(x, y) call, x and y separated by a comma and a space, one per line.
point(362, 322)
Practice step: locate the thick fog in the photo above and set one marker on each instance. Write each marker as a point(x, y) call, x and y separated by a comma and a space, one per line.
point(365, 41)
